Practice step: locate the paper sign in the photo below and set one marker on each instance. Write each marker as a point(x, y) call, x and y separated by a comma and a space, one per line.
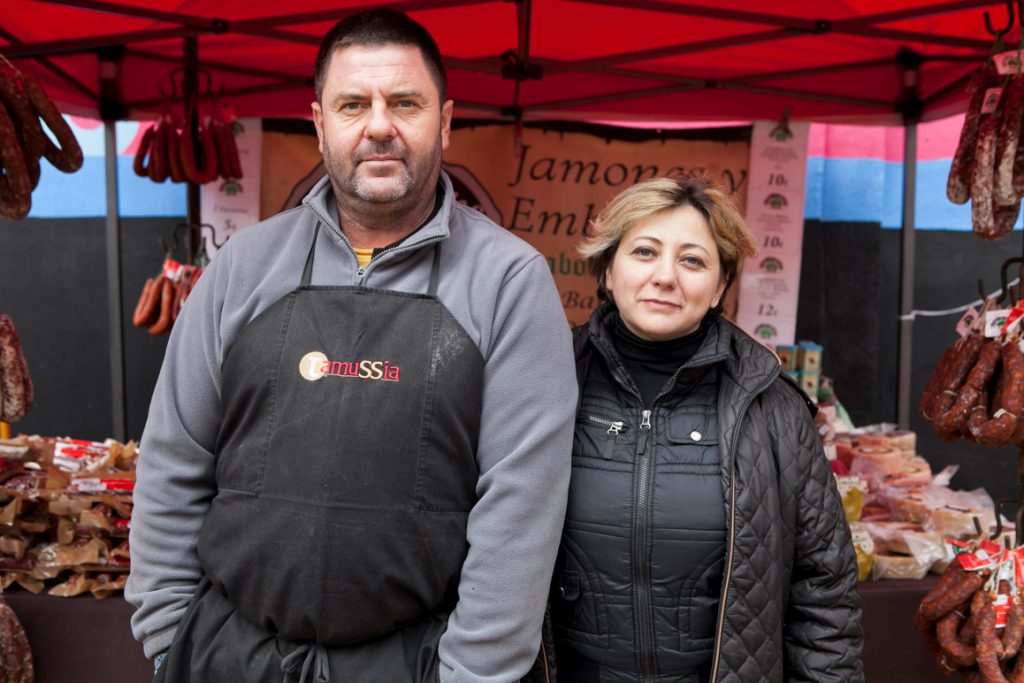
point(770, 282)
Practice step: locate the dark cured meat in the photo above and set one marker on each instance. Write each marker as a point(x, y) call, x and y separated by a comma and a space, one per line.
point(988, 644)
point(203, 169)
point(68, 157)
point(15, 183)
point(146, 308)
point(30, 133)
point(1009, 134)
point(15, 652)
point(955, 418)
point(158, 170)
point(946, 631)
point(174, 153)
point(983, 216)
point(1004, 219)
point(145, 149)
point(934, 385)
point(999, 430)
point(958, 186)
point(163, 323)
point(946, 596)
point(18, 393)
point(1014, 631)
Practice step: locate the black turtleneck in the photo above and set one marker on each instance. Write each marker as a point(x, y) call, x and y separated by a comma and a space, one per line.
point(652, 364)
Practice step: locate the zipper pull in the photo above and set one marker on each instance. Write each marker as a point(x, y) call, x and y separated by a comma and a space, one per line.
point(614, 429)
point(645, 422)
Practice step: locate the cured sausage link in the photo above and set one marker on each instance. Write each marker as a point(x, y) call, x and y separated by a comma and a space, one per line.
point(15, 182)
point(958, 185)
point(999, 430)
point(946, 630)
point(933, 387)
point(988, 644)
point(954, 418)
point(958, 591)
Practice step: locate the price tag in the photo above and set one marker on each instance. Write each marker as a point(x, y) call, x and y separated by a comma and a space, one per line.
point(994, 321)
point(1007, 63)
point(991, 101)
point(963, 327)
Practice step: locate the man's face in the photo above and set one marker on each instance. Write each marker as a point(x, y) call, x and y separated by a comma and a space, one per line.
point(381, 124)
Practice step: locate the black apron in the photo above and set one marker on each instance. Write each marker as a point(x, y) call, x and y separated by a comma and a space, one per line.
point(345, 472)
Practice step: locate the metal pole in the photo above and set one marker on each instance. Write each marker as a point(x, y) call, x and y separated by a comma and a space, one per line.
point(907, 275)
point(911, 107)
point(191, 95)
point(112, 109)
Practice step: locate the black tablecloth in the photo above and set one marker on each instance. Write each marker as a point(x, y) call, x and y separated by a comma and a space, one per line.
point(87, 640)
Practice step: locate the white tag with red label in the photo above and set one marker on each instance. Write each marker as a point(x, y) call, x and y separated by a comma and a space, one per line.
point(172, 270)
point(72, 455)
point(1002, 604)
point(994, 321)
point(101, 485)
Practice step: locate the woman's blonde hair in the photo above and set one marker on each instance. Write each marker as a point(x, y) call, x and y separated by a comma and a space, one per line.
point(653, 197)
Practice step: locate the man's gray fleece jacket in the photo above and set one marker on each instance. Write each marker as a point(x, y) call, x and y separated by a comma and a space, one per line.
point(501, 292)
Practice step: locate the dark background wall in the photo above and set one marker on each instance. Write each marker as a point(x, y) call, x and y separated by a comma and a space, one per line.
point(849, 302)
point(53, 285)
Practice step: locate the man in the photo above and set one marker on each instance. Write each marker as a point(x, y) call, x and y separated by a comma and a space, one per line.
point(357, 455)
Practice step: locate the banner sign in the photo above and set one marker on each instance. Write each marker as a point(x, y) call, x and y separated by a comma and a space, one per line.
point(558, 182)
point(546, 190)
point(770, 284)
point(230, 205)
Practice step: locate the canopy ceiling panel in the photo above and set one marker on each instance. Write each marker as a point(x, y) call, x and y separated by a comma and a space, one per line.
point(654, 60)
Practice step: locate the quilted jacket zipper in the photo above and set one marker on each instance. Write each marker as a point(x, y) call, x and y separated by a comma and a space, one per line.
point(732, 527)
point(641, 522)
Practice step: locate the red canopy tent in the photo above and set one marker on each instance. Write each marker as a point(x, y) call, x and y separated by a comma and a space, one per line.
point(865, 61)
point(579, 59)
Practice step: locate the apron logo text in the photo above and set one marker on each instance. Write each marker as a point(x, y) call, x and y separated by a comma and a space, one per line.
point(315, 365)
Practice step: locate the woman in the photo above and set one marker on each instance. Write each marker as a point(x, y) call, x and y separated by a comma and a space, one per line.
point(704, 539)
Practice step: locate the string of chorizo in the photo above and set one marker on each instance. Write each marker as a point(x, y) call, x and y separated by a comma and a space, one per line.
point(953, 419)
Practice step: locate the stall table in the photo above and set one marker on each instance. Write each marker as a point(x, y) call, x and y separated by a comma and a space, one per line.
point(88, 640)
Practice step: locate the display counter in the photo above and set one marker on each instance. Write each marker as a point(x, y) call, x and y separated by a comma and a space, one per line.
point(89, 641)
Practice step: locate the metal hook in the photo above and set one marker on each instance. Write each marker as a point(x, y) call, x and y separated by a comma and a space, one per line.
point(169, 251)
point(1009, 23)
point(1007, 289)
point(212, 236)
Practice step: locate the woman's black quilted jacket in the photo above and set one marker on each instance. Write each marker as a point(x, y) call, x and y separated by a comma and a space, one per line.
point(790, 609)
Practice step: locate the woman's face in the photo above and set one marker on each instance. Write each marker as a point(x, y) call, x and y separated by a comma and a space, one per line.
point(666, 275)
